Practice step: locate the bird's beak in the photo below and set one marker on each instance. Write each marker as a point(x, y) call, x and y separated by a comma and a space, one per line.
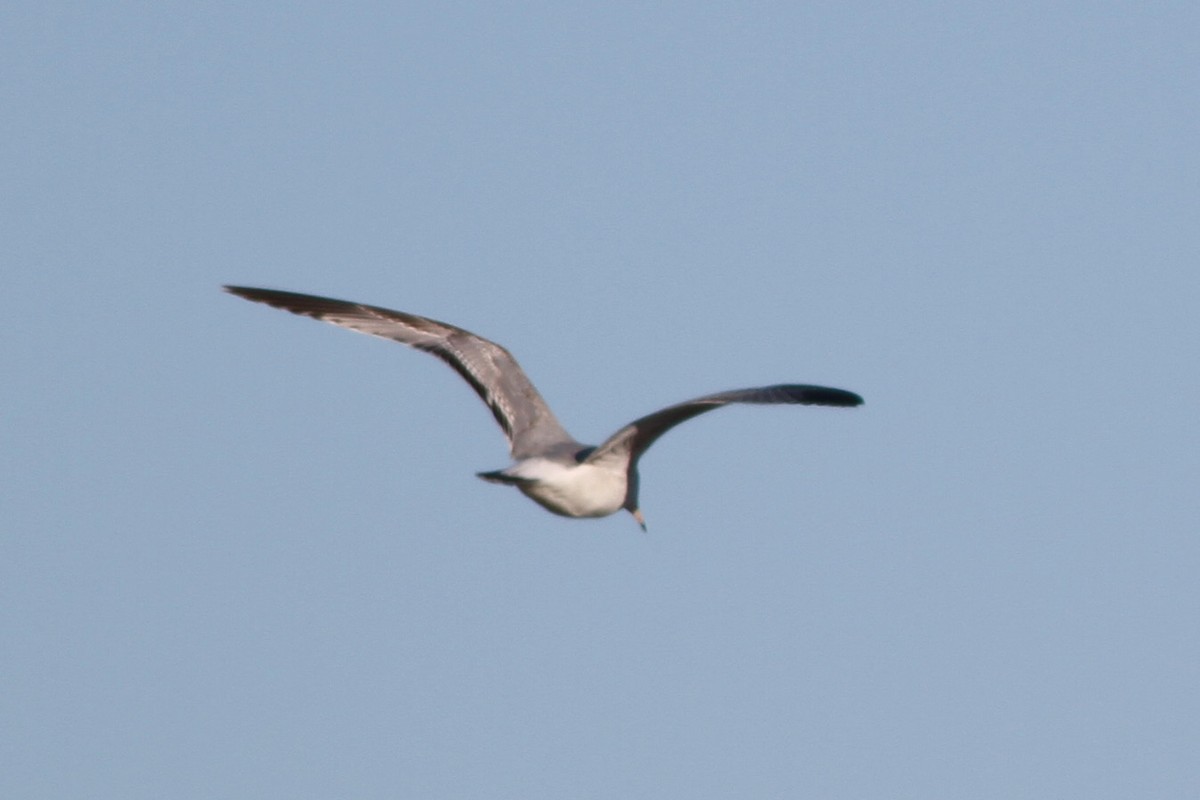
point(637, 514)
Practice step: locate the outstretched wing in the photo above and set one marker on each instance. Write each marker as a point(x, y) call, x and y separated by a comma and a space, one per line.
point(491, 370)
point(632, 440)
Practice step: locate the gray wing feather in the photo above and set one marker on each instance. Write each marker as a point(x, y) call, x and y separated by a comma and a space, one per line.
point(638, 435)
point(491, 370)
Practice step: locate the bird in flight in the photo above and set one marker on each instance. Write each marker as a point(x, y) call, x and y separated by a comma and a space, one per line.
point(549, 466)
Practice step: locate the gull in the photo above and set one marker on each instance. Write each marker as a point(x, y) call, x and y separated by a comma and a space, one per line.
point(549, 466)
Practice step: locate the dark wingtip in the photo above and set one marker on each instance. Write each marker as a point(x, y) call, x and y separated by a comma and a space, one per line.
point(841, 397)
point(309, 305)
point(823, 396)
point(251, 293)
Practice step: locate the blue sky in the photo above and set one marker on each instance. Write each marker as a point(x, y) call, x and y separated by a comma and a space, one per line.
point(245, 554)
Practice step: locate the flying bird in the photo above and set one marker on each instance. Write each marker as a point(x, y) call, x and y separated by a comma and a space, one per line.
point(549, 466)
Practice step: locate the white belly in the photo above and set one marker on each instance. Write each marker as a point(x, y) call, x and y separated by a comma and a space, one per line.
point(576, 490)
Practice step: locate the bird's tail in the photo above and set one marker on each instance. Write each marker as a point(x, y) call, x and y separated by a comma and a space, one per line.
point(500, 476)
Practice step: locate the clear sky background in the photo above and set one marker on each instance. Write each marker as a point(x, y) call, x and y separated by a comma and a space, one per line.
point(245, 554)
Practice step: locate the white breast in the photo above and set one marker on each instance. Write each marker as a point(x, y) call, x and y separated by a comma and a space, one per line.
point(572, 490)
